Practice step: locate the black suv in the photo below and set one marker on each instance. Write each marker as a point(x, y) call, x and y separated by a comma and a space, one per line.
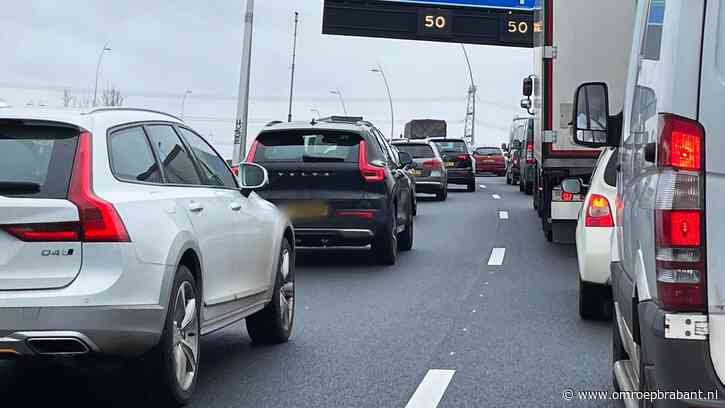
point(341, 183)
point(459, 161)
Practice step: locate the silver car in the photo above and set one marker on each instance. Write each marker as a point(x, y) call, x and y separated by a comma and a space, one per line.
point(428, 170)
point(124, 233)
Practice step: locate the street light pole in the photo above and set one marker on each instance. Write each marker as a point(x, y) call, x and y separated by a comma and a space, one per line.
point(342, 100)
point(472, 90)
point(380, 70)
point(240, 123)
point(98, 71)
point(183, 102)
point(294, 59)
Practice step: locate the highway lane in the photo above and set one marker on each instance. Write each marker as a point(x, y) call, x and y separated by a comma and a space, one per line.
point(504, 334)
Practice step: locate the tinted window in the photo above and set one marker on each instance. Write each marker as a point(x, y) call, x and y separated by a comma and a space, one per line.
point(610, 173)
point(36, 159)
point(308, 146)
point(652, 44)
point(452, 146)
point(213, 168)
point(175, 159)
point(131, 156)
point(418, 151)
point(489, 151)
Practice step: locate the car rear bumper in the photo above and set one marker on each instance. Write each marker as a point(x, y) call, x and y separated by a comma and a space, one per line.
point(593, 251)
point(678, 365)
point(429, 186)
point(313, 238)
point(490, 168)
point(460, 176)
point(123, 331)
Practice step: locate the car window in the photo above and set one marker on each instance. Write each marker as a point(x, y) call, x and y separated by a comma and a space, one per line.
point(131, 156)
point(37, 155)
point(213, 168)
point(300, 146)
point(175, 159)
point(652, 44)
point(610, 173)
point(489, 151)
point(457, 146)
point(418, 151)
point(392, 153)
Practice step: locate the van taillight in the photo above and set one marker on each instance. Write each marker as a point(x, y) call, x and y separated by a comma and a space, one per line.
point(530, 153)
point(679, 216)
point(370, 172)
point(99, 220)
point(599, 212)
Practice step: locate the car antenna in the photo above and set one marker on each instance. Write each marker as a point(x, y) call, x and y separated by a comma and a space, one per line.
point(314, 122)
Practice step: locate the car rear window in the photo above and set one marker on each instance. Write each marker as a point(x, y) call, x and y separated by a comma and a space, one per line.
point(308, 146)
point(610, 173)
point(418, 151)
point(452, 146)
point(36, 159)
point(489, 151)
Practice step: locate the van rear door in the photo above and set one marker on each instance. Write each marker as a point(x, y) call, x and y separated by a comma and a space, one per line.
point(39, 228)
point(712, 90)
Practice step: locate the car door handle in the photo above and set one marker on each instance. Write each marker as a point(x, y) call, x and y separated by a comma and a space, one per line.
point(235, 206)
point(195, 207)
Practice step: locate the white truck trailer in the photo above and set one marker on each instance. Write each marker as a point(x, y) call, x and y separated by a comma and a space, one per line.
point(575, 41)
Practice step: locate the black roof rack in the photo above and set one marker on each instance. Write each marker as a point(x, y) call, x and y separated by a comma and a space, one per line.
point(341, 119)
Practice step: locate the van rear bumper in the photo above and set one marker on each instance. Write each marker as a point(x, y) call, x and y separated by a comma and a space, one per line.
point(678, 365)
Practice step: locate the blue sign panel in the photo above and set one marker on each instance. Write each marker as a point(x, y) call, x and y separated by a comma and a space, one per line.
point(508, 4)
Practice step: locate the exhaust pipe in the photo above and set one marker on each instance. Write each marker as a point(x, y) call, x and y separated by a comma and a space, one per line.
point(58, 346)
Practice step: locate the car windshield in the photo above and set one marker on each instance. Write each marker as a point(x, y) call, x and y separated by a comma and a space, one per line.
point(452, 146)
point(307, 146)
point(418, 151)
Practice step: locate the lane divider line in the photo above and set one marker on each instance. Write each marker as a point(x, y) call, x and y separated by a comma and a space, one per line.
point(504, 215)
point(431, 390)
point(483, 186)
point(496, 197)
point(497, 257)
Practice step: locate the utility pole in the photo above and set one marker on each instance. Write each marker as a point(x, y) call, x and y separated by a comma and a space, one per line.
point(469, 128)
point(240, 125)
point(98, 71)
point(294, 59)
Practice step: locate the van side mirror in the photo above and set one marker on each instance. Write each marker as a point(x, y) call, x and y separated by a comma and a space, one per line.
point(572, 185)
point(590, 119)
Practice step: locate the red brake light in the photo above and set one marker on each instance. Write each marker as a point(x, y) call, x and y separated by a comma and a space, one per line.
point(370, 172)
point(99, 220)
point(566, 196)
point(463, 157)
point(433, 164)
point(252, 152)
point(680, 144)
point(679, 216)
point(366, 214)
point(47, 232)
point(599, 212)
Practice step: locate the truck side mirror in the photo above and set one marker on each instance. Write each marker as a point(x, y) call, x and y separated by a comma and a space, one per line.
point(528, 88)
point(526, 104)
point(590, 119)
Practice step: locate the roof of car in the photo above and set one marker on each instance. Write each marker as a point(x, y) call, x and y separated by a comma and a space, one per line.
point(410, 141)
point(90, 119)
point(344, 126)
point(445, 139)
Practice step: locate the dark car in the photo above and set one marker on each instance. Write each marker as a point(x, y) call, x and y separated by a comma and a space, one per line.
point(428, 171)
point(342, 184)
point(490, 160)
point(458, 161)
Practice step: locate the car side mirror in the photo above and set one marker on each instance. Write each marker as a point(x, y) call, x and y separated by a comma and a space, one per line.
point(590, 123)
point(572, 185)
point(405, 159)
point(252, 177)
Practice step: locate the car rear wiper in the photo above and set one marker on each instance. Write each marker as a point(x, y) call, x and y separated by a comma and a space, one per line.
point(318, 159)
point(13, 187)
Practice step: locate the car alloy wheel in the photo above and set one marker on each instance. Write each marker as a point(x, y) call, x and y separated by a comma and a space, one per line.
point(185, 336)
point(286, 291)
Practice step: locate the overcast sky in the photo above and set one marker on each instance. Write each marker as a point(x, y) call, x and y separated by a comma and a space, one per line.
point(162, 48)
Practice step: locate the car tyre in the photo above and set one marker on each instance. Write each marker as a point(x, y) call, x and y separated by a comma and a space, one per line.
point(415, 205)
point(522, 186)
point(472, 187)
point(385, 247)
point(594, 302)
point(508, 179)
point(273, 324)
point(442, 195)
point(405, 238)
point(179, 344)
point(529, 189)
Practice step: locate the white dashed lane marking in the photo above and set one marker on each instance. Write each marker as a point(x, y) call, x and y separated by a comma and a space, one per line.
point(431, 389)
point(504, 215)
point(496, 197)
point(483, 186)
point(497, 257)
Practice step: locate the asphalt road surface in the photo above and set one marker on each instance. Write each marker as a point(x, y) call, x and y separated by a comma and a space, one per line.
point(443, 325)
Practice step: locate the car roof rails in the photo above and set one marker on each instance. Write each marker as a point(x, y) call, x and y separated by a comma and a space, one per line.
point(272, 123)
point(130, 109)
point(341, 119)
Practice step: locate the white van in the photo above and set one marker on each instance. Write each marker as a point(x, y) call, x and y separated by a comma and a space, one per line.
point(668, 268)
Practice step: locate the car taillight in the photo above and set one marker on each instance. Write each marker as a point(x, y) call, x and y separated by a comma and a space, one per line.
point(679, 216)
point(599, 212)
point(370, 172)
point(530, 153)
point(99, 220)
point(566, 196)
point(252, 152)
point(433, 164)
point(45, 232)
point(464, 157)
point(366, 214)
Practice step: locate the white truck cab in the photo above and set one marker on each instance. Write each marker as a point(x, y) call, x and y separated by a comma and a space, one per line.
point(668, 275)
